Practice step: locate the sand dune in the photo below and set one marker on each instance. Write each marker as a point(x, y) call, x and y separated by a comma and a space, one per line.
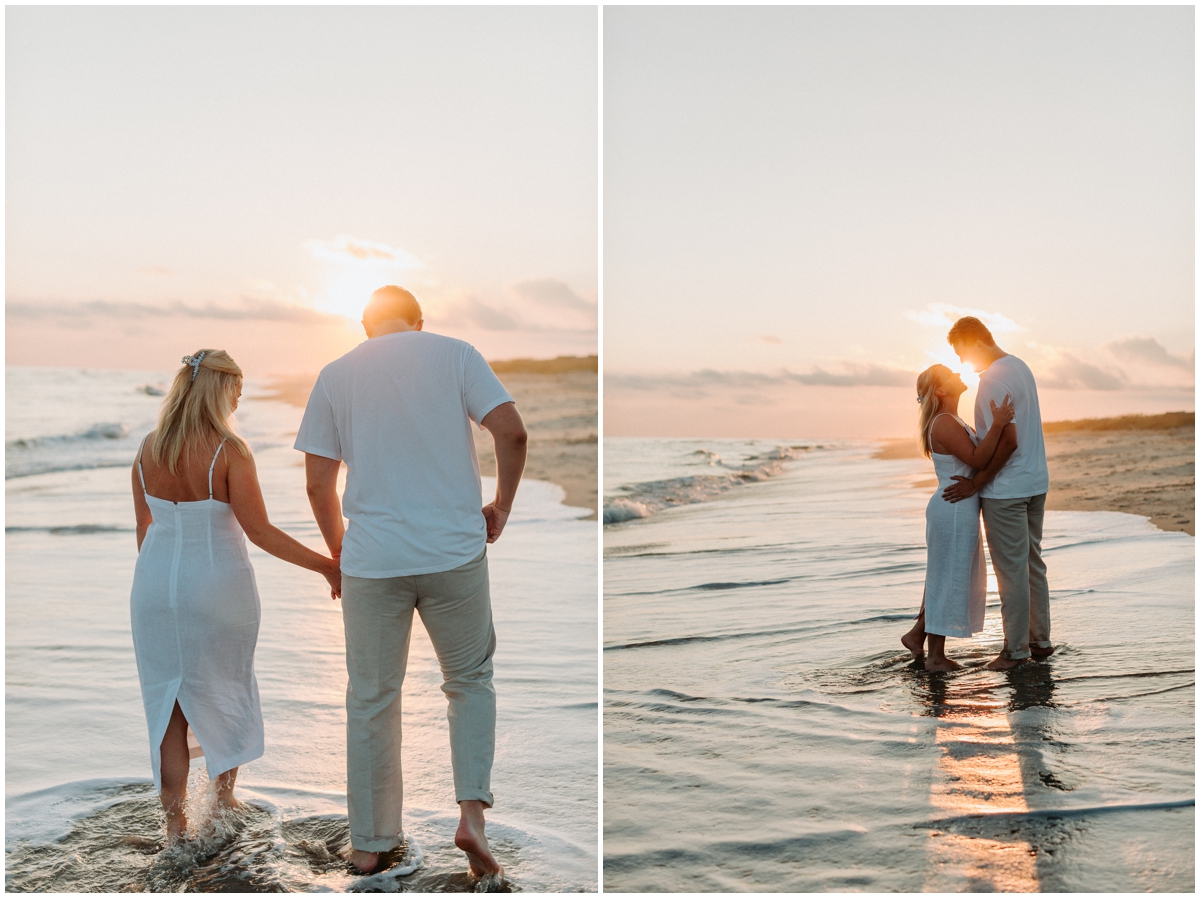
point(1138, 464)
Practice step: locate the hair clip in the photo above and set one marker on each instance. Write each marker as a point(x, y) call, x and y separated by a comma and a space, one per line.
point(195, 362)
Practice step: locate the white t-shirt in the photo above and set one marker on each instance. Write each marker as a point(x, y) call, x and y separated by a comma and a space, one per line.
point(398, 410)
point(1025, 473)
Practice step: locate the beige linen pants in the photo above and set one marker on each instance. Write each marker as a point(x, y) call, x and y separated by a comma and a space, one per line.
point(1014, 538)
point(455, 607)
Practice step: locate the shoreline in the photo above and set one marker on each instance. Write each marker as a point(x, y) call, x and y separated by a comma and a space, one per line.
point(1136, 464)
point(557, 399)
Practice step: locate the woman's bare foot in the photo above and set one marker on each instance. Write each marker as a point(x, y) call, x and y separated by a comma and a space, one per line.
point(942, 664)
point(225, 783)
point(472, 840)
point(914, 642)
point(176, 828)
point(1039, 652)
point(1002, 663)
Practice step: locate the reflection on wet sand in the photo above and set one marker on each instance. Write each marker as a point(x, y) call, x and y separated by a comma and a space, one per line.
point(983, 768)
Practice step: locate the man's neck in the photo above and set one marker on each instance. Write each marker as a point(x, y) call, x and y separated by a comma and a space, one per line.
point(393, 326)
point(993, 353)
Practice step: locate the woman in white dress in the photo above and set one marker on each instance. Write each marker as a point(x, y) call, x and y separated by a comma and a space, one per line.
point(955, 575)
point(194, 604)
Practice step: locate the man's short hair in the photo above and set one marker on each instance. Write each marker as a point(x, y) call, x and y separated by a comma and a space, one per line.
point(392, 302)
point(968, 330)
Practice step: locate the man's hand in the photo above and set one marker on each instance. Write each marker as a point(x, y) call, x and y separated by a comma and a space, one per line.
point(496, 518)
point(962, 488)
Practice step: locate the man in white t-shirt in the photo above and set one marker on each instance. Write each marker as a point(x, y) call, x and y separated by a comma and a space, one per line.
point(398, 410)
point(1012, 493)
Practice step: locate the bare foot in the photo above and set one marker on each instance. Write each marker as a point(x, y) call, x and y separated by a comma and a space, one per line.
point(1002, 663)
point(1038, 652)
point(176, 828)
point(913, 643)
point(363, 861)
point(471, 839)
point(942, 664)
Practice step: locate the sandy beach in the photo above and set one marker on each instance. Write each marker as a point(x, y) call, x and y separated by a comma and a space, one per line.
point(1137, 464)
point(557, 400)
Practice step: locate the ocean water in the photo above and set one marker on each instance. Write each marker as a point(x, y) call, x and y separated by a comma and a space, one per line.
point(764, 730)
point(81, 812)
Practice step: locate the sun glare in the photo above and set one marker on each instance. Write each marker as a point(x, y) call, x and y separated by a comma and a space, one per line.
point(945, 355)
point(352, 269)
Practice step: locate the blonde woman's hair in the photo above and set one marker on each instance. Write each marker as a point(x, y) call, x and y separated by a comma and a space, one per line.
point(927, 381)
point(197, 408)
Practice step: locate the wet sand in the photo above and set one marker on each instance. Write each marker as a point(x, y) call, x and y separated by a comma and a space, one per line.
point(1138, 464)
point(557, 400)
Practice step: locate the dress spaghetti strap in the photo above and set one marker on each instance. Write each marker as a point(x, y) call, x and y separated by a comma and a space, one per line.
point(141, 476)
point(210, 469)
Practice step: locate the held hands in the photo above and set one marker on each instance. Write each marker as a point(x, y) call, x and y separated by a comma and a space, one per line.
point(332, 572)
point(496, 518)
point(1002, 414)
point(962, 488)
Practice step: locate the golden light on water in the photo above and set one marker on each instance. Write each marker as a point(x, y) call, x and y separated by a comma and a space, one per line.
point(978, 772)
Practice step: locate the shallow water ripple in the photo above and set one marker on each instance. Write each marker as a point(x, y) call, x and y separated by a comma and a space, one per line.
point(773, 735)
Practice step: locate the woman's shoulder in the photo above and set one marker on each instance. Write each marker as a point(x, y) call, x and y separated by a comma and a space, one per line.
point(947, 423)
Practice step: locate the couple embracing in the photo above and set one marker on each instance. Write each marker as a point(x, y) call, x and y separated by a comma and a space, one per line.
point(398, 410)
point(998, 468)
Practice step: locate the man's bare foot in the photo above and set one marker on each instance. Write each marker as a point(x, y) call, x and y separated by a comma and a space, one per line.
point(363, 861)
point(943, 664)
point(1002, 663)
point(914, 643)
point(1039, 652)
point(472, 840)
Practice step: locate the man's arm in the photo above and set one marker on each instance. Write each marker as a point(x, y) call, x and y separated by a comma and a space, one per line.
point(510, 439)
point(321, 474)
point(963, 488)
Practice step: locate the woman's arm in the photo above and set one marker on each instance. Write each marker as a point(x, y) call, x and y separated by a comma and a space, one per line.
point(951, 437)
point(141, 508)
point(245, 495)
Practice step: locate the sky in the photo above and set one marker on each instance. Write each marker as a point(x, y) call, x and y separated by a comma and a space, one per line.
point(799, 201)
point(243, 177)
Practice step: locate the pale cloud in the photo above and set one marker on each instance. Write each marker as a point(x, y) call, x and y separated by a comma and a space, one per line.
point(245, 308)
point(541, 306)
point(552, 293)
point(942, 316)
point(470, 313)
point(1130, 364)
point(1147, 350)
point(770, 338)
point(551, 304)
point(345, 249)
point(1067, 372)
point(699, 383)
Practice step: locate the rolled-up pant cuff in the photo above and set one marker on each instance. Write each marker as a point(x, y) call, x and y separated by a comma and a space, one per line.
point(475, 795)
point(1043, 645)
point(375, 846)
point(1018, 656)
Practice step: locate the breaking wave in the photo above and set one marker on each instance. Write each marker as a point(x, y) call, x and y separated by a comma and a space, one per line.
point(641, 500)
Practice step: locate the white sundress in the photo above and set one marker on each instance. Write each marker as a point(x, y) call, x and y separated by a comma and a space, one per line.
point(955, 573)
point(195, 613)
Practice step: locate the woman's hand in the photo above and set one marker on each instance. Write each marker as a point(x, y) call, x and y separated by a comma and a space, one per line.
point(1002, 414)
point(332, 572)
